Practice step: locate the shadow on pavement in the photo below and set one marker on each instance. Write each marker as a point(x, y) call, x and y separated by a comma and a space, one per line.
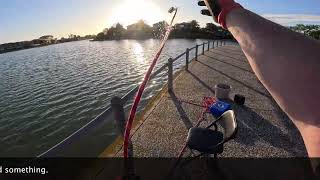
point(183, 115)
point(238, 81)
point(201, 82)
point(229, 64)
point(241, 60)
point(253, 127)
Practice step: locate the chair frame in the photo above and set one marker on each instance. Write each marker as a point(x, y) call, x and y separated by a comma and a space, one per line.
point(214, 123)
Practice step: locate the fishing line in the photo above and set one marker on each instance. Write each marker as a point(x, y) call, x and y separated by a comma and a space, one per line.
point(142, 87)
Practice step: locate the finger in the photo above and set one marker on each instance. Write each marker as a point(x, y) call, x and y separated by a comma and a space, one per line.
point(201, 3)
point(205, 12)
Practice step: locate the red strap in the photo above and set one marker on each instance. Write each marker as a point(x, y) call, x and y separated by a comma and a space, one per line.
point(225, 11)
point(208, 102)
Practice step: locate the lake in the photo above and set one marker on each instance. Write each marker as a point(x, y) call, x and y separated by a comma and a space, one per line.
point(49, 92)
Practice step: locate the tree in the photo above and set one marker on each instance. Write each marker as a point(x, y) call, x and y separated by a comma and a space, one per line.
point(89, 36)
point(159, 29)
point(315, 34)
point(194, 26)
point(119, 27)
point(72, 36)
point(100, 37)
point(211, 27)
point(141, 30)
point(105, 31)
point(308, 30)
point(116, 32)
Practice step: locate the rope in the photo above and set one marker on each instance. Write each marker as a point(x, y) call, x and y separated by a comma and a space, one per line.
point(206, 103)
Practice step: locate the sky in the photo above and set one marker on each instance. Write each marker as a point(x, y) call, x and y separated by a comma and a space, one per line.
point(29, 19)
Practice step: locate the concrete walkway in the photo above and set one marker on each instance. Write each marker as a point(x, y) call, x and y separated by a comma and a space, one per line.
point(264, 130)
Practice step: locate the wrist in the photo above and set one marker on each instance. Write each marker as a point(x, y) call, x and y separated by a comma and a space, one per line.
point(225, 12)
point(233, 17)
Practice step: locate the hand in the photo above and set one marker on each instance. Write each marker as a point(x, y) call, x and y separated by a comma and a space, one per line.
point(218, 8)
point(213, 8)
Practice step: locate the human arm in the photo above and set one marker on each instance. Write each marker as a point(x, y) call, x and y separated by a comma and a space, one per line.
point(288, 65)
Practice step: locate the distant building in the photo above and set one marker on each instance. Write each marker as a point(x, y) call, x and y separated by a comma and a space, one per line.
point(182, 26)
point(47, 39)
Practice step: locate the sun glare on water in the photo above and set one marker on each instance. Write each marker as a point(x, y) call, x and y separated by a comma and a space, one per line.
point(130, 11)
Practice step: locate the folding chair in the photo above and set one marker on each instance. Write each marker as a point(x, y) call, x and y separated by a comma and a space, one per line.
point(211, 141)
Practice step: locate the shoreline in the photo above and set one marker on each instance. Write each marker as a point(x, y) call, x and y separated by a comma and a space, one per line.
point(38, 46)
point(92, 40)
point(215, 38)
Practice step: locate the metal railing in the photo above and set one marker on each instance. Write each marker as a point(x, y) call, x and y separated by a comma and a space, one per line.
point(116, 106)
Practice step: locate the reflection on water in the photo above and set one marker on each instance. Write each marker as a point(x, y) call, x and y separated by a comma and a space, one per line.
point(49, 92)
point(138, 52)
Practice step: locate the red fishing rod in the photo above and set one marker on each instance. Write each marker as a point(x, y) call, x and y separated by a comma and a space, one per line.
point(143, 84)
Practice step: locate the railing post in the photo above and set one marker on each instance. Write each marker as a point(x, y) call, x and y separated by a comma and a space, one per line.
point(208, 45)
point(187, 59)
point(119, 116)
point(196, 52)
point(170, 74)
point(203, 49)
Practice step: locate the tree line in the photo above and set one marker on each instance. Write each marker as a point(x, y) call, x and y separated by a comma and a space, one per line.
point(142, 30)
point(42, 41)
point(189, 30)
point(308, 30)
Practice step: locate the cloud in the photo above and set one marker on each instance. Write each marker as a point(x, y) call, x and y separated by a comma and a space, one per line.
point(293, 19)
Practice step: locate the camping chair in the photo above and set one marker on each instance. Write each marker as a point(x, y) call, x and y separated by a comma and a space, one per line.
point(211, 141)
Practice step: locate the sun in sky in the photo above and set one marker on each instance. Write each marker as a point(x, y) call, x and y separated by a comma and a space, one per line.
point(130, 11)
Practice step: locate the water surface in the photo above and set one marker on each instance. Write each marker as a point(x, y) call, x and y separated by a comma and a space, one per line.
point(49, 92)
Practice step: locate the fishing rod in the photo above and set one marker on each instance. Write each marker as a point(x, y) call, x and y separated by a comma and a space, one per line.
point(143, 84)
